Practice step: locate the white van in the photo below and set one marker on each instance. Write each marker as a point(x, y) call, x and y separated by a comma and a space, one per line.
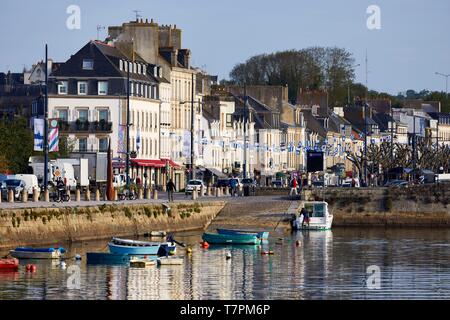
point(31, 181)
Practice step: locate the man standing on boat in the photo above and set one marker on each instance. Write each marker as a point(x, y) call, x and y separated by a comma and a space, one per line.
point(305, 214)
point(170, 190)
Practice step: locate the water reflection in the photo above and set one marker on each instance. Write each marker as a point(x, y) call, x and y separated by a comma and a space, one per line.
point(324, 265)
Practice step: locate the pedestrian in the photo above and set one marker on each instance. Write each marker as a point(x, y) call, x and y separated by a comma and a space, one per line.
point(170, 190)
point(293, 187)
point(233, 185)
point(305, 214)
point(353, 182)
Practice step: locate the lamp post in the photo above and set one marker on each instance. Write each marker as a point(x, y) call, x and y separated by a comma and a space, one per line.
point(348, 88)
point(446, 81)
point(46, 121)
point(245, 132)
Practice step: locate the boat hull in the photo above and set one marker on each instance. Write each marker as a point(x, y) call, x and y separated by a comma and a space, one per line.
point(9, 265)
point(314, 224)
point(23, 253)
point(107, 258)
point(212, 238)
point(264, 235)
point(118, 249)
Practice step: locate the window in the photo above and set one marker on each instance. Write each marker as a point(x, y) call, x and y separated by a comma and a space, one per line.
point(62, 87)
point(103, 115)
point(82, 88)
point(229, 120)
point(83, 115)
point(102, 88)
point(82, 144)
point(88, 64)
point(144, 69)
point(120, 65)
point(103, 145)
point(63, 115)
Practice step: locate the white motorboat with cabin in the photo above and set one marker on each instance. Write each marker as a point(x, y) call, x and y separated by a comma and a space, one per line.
point(319, 216)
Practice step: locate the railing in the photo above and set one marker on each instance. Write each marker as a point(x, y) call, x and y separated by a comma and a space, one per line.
point(85, 126)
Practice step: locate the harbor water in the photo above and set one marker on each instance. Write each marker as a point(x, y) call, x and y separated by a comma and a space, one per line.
point(350, 263)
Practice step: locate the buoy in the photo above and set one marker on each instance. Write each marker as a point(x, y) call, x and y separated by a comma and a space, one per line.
point(62, 264)
point(297, 243)
point(189, 250)
point(205, 245)
point(77, 257)
point(28, 267)
point(33, 268)
point(228, 255)
point(172, 253)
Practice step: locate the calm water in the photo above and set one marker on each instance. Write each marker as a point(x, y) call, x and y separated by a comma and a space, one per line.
point(414, 264)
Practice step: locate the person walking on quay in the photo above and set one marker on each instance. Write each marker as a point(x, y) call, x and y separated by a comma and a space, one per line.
point(293, 187)
point(170, 190)
point(305, 214)
point(233, 185)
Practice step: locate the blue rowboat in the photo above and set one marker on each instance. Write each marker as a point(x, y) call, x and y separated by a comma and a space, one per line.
point(37, 253)
point(107, 258)
point(133, 247)
point(263, 235)
point(215, 238)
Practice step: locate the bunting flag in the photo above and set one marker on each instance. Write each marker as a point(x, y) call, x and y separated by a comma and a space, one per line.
point(39, 134)
point(121, 140)
point(53, 136)
point(138, 140)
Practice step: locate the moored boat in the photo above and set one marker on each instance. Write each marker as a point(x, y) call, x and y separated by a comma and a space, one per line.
point(37, 253)
point(107, 258)
point(133, 247)
point(169, 261)
point(9, 265)
point(319, 217)
point(216, 238)
point(263, 235)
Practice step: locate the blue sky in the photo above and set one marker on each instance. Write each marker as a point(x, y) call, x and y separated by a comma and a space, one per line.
point(412, 44)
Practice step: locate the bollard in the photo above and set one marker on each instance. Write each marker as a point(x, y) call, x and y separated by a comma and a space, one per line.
point(208, 191)
point(10, 196)
point(35, 195)
point(77, 195)
point(218, 193)
point(116, 195)
point(155, 194)
point(46, 196)
point(88, 195)
point(24, 196)
point(194, 194)
point(202, 191)
point(148, 194)
point(97, 195)
point(140, 194)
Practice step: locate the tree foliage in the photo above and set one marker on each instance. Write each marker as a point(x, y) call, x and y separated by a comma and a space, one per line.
point(313, 68)
point(16, 144)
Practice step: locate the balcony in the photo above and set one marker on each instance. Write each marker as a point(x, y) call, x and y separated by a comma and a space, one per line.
point(85, 127)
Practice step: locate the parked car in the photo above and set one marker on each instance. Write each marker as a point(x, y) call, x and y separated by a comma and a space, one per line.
point(222, 183)
point(30, 180)
point(396, 183)
point(277, 184)
point(195, 185)
point(15, 184)
point(248, 182)
point(348, 183)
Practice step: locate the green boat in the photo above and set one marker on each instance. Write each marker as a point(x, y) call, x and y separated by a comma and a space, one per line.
point(215, 238)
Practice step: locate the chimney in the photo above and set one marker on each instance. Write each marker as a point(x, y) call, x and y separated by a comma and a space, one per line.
point(173, 57)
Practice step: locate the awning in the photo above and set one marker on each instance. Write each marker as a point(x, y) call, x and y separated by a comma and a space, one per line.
point(148, 163)
point(173, 164)
point(216, 172)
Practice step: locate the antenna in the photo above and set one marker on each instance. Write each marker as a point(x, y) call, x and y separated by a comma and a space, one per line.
point(137, 14)
point(99, 28)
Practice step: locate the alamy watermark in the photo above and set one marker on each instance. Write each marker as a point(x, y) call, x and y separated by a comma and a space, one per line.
point(373, 281)
point(74, 280)
point(374, 19)
point(73, 22)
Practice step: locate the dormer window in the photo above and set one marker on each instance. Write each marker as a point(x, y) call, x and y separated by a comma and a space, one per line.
point(138, 68)
point(155, 71)
point(144, 69)
point(120, 65)
point(160, 72)
point(88, 64)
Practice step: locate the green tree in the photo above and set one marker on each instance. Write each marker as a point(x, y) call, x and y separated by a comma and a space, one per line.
point(16, 144)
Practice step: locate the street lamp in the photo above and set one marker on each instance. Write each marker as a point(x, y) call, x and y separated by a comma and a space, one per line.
point(348, 96)
point(446, 81)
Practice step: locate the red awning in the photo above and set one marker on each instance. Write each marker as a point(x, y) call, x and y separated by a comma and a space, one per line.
point(148, 163)
point(172, 163)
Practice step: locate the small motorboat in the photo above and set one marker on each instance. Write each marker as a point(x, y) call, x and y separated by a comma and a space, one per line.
point(216, 238)
point(263, 235)
point(37, 253)
point(9, 265)
point(169, 261)
point(134, 247)
point(319, 217)
point(107, 258)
